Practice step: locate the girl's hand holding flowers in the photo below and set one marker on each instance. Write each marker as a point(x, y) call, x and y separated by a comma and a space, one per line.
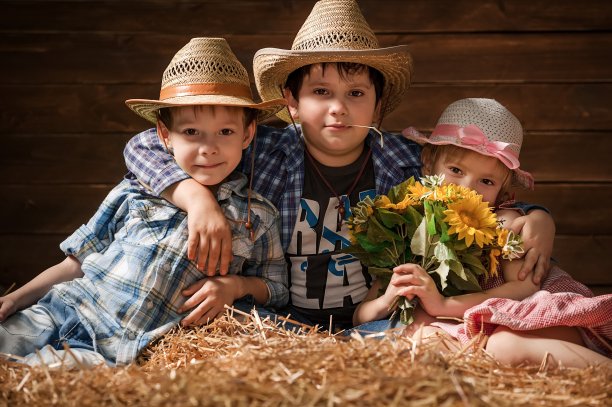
point(412, 280)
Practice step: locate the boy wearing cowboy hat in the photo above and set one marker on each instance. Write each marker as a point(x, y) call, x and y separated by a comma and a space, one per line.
point(338, 81)
point(122, 283)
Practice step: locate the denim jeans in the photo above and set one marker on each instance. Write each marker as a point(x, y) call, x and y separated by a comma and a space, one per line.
point(367, 328)
point(37, 335)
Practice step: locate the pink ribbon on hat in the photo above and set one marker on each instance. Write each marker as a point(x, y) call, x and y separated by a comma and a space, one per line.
point(472, 136)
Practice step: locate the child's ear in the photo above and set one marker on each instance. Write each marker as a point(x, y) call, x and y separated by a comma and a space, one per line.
point(292, 104)
point(249, 134)
point(164, 134)
point(377, 113)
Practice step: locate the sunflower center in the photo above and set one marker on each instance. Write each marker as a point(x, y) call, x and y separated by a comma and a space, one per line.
point(468, 219)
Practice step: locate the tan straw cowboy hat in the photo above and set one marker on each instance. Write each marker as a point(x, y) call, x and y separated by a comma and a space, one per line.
point(335, 31)
point(204, 72)
point(481, 125)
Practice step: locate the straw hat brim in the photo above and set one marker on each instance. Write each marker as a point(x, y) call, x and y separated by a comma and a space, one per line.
point(272, 66)
point(520, 177)
point(147, 108)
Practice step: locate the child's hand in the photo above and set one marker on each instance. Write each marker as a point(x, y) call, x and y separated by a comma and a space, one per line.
point(538, 232)
point(412, 280)
point(210, 238)
point(208, 298)
point(7, 307)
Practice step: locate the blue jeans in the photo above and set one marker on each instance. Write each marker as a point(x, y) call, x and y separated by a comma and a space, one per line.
point(46, 327)
point(372, 327)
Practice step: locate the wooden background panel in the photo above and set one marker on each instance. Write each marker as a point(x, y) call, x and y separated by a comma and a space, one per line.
point(70, 57)
point(62, 159)
point(221, 17)
point(68, 66)
point(81, 108)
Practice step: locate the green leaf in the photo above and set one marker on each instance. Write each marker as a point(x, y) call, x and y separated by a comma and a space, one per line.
point(431, 220)
point(413, 219)
point(419, 242)
point(442, 272)
point(406, 310)
point(465, 286)
point(390, 219)
point(378, 233)
point(442, 251)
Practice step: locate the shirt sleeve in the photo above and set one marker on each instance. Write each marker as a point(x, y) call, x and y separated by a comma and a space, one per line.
point(99, 232)
point(526, 207)
point(147, 159)
point(271, 266)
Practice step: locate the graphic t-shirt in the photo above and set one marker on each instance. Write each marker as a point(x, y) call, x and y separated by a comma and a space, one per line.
point(324, 282)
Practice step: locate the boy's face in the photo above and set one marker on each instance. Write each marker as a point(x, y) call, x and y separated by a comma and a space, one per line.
point(486, 175)
point(207, 141)
point(327, 105)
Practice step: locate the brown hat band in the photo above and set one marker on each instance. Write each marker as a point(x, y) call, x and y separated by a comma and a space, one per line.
point(225, 89)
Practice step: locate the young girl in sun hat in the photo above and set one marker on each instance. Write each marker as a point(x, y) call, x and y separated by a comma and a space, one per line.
point(122, 283)
point(476, 144)
point(338, 81)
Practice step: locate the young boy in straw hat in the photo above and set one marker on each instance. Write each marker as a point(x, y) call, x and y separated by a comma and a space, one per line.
point(122, 283)
point(338, 81)
point(476, 144)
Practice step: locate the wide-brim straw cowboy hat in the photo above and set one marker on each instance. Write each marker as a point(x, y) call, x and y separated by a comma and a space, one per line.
point(484, 126)
point(335, 31)
point(204, 72)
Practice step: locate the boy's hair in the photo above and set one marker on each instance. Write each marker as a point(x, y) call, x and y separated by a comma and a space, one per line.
point(165, 115)
point(296, 78)
point(432, 152)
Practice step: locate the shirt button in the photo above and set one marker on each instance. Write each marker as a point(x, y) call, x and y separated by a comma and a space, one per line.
point(150, 304)
point(166, 267)
point(131, 335)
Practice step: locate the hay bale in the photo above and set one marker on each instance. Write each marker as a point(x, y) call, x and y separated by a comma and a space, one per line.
point(256, 363)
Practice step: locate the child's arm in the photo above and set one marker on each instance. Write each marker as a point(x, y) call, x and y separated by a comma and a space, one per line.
point(373, 308)
point(538, 232)
point(209, 240)
point(537, 229)
point(265, 277)
point(413, 281)
point(36, 288)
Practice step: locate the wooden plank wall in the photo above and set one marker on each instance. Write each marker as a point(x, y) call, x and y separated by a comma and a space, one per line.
point(67, 66)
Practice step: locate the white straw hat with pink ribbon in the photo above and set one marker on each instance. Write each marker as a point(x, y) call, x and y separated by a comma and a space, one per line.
point(481, 125)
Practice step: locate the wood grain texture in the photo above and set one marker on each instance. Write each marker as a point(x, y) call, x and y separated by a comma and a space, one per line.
point(68, 66)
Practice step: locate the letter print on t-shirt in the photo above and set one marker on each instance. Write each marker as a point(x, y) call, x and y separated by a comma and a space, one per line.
point(322, 278)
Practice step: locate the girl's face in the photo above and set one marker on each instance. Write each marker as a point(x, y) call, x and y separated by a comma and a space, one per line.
point(486, 175)
point(327, 105)
point(207, 141)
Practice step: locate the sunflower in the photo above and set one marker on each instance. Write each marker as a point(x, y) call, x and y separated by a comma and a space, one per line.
point(472, 220)
point(384, 202)
point(493, 262)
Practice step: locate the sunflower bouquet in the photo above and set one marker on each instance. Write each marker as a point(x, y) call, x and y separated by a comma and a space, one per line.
point(447, 229)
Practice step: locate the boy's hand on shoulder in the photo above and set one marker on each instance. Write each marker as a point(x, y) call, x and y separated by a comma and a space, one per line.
point(208, 298)
point(210, 238)
point(538, 232)
point(7, 307)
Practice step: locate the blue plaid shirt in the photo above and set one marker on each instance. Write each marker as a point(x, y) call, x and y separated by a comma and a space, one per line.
point(133, 253)
point(279, 166)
